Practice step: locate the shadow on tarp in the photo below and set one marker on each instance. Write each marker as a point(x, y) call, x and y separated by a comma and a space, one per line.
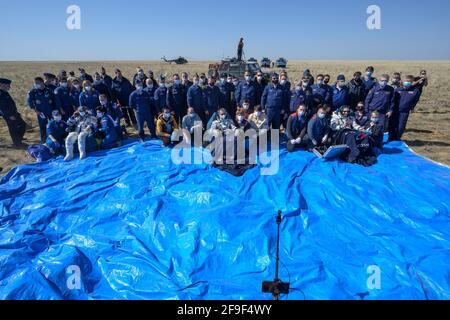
point(138, 226)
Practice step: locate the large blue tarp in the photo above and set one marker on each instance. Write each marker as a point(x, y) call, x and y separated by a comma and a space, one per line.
point(141, 227)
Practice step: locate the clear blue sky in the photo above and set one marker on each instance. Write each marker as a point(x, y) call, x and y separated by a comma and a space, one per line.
point(200, 29)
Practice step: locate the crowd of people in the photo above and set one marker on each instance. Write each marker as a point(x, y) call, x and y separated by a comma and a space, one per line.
point(87, 113)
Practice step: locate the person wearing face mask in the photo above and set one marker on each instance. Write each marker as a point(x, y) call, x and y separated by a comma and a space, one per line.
point(361, 116)
point(258, 120)
point(41, 99)
point(369, 80)
point(375, 129)
point(273, 101)
point(139, 76)
point(196, 99)
point(89, 97)
point(223, 124)
point(381, 98)
point(396, 80)
point(321, 91)
point(8, 111)
point(226, 89)
point(167, 127)
point(100, 86)
point(240, 121)
point(406, 100)
point(190, 123)
point(246, 90)
point(81, 127)
point(343, 120)
point(160, 96)
point(356, 90)
point(213, 97)
point(121, 90)
point(63, 99)
point(176, 98)
point(50, 81)
point(340, 94)
point(141, 103)
point(318, 129)
point(260, 84)
point(296, 129)
point(56, 134)
point(113, 111)
point(84, 75)
point(106, 129)
point(74, 92)
point(302, 94)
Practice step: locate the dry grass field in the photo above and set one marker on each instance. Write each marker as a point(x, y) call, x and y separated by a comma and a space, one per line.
point(428, 130)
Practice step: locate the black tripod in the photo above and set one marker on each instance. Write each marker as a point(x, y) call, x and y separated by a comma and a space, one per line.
point(276, 287)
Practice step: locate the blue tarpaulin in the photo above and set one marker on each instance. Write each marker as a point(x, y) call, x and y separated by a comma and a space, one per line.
point(141, 227)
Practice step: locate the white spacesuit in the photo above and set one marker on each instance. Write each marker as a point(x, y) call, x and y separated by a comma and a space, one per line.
point(81, 124)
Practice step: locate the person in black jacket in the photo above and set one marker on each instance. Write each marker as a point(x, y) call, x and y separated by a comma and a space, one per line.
point(8, 111)
point(357, 90)
point(121, 90)
point(296, 128)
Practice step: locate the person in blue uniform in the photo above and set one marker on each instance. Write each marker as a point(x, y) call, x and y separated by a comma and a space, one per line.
point(41, 100)
point(260, 84)
point(106, 129)
point(63, 99)
point(56, 134)
point(318, 129)
point(302, 94)
point(381, 98)
point(196, 99)
point(50, 81)
point(406, 99)
point(246, 90)
point(272, 101)
point(321, 91)
point(140, 101)
point(8, 111)
point(340, 94)
point(113, 110)
point(89, 97)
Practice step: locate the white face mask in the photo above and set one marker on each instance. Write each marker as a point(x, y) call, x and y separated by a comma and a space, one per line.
point(63, 84)
point(162, 85)
point(57, 118)
point(100, 114)
point(196, 82)
point(258, 114)
point(39, 86)
point(167, 116)
point(229, 80)
point(76, 86)
point(259, 78)
point(248, 78)
point(282, 82)
point(322, 115)
point(88, 88)
point(301, 113)
point(82, 113)
point(222, 117)
point(235, 83)
point(246, 106)
point(319, 82)
point(240, 118)
point(103, 102)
